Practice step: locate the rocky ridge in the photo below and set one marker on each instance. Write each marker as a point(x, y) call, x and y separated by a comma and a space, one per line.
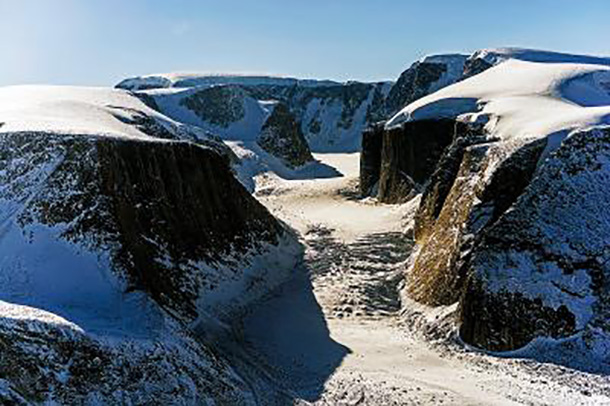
point(499, 229)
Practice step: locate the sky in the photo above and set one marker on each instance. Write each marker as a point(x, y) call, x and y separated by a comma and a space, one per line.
point(100, 42)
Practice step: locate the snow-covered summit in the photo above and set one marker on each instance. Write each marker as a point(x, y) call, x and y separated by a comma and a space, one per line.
point(84, 111)
point(497, 55)
point(520, 97)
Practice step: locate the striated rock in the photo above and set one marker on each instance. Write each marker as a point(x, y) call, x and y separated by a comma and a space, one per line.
point(458, 202)
point(281, 136)
point(512, 222)
point(132, 249)
point(409, 156)
point(370, 159)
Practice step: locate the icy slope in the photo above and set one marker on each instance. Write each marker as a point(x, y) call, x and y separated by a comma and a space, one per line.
point(518, 98)
point(118, 237)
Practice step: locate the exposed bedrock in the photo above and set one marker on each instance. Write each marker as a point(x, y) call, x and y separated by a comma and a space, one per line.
point(542, 268)
point(409, 155)
point(518, 236)
point(167, 212)
point(96, 227)
point(281, 136)
point(468, 191)
point(370, 159)
point(185, 199)
point(413, 83)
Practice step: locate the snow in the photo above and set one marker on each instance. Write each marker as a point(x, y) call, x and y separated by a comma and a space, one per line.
point(246, 129)
point(70, 110)
point(296, 340)
point(454, 63)
point(181, 80)
point(522, 99)
point(498, 55)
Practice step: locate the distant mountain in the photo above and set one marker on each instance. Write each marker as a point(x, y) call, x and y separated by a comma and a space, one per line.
point(331, 115)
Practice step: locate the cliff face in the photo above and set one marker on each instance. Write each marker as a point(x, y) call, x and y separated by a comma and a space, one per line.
point(424, 77)
point(541, 269)
point(370, 159)
point(511, 222)
point(124, 240)
point(409, 155)
point(159, 208)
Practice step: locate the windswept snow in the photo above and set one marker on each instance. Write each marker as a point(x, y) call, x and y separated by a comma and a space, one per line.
point(495, 56)
point(522, 99)
point(70, 110)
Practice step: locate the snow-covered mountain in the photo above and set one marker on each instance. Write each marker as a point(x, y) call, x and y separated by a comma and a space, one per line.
point(423, 77)
point(331, 115)
point(123, 232)
point(512, 221)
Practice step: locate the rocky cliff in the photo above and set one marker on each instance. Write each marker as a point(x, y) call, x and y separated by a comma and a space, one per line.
point(122, 242)
point(424, 77)
point(510, 222)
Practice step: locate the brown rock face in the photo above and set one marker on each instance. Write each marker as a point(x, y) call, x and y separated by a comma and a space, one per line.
point(183, 198)
point(409, 156)
point(541, 269)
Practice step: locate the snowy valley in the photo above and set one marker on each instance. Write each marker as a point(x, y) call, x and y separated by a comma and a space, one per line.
point(196, 239)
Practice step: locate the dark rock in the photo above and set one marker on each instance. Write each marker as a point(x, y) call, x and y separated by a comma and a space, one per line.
point(281, 136)
point(542, 268)
point(409, 156)
point(505, 321)
point(219, 105)
point(413, 84)
point(370, 158)
point(475, 65)
point(156, 206)
point(423, 78)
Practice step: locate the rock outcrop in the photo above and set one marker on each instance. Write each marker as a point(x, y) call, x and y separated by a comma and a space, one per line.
point(542, 268)
point(424, 77)
point(126, 239)
point(281, 136)
point(409, 154)
point(370, 159)
point(512, 218)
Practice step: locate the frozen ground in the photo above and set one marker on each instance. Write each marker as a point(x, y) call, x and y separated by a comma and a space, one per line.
point(336, 334)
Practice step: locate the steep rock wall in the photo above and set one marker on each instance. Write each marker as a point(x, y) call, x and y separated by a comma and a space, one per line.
point(409, 156)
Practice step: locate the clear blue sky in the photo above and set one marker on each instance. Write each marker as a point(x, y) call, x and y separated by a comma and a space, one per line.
point(99, 42)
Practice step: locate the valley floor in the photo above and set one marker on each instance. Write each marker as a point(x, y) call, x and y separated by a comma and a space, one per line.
point(336, 334)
